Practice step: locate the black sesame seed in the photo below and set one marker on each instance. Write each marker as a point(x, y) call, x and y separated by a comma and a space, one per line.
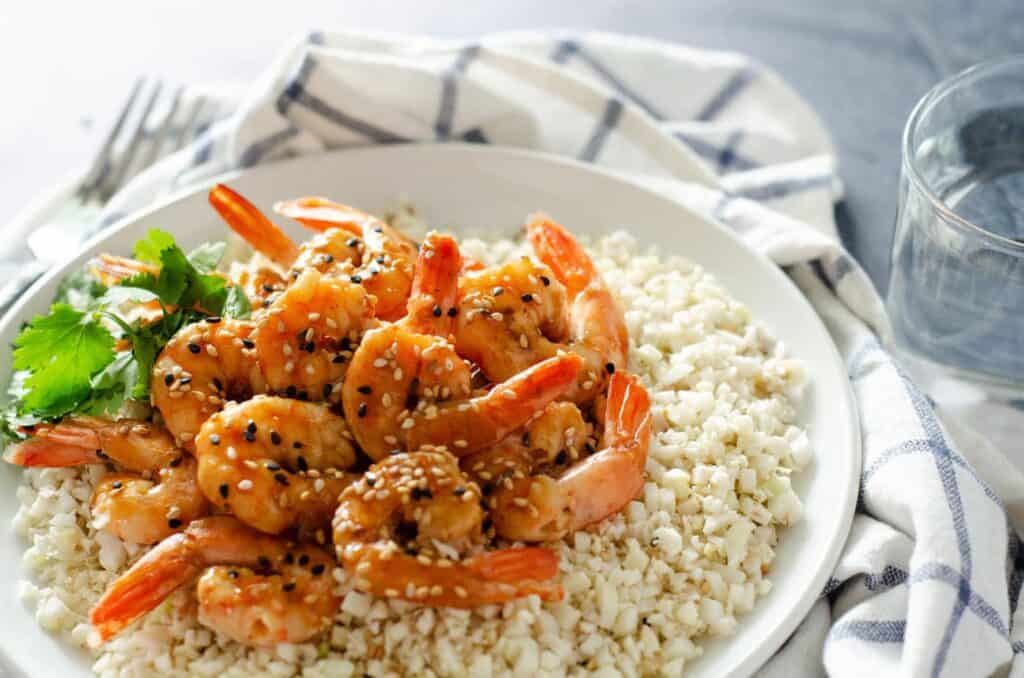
point(214, 439)
point(297, 444)
point(421, 493)
point(498, 291)
point(371, 480)
point(223, 489)
point(459, 491)
point(217, 384)
point(318, 569)
point(264, 562)
point(352, 242)
point(328, 259)
point(486, 525)
point(303, 560)
point(356, 278)
point(251, 426)
point(291, 391)
point(117, 485)
point(248, 343)
point(526, 439)
point(561, 458)
point(338, 359)
point(527, 297)
point(176, 462)
point(268, 288)
point(272, 466)
point(397, 450)
point(381, 259)
point(303, 395)
point(406, 530)
point(289, 558)
point(452, 312)
point(290, 586)
point(194, 348)
point(346, 344)
point(250, 436)
point(185, 380)
point(609, 368)
point(275, 437)
point(213, 319)
point(233, 574)
point(589, 447)
point(378, 229)
point(301, 463)
point(168, 379)
point(281, 478)
point(101, 454)
point(365, 389)
point(546, 280)
point(309, 347)
point(437, 311)
point(487, 490)
point(361, 410)
point(174, 523)
point(327, 390)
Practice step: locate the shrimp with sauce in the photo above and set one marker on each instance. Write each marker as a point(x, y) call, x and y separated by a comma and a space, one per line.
point(254, 588)
point(535, 491)
point(202, 367)
point(407, 386)
point(401, 531)
point(276, 463)
point(349, 244)
point(521, 309)
point(155, 497)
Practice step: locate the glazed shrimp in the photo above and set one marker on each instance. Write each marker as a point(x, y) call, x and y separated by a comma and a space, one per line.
point(510, 317)
point(254, 588)
point(399, 530)
point(535, 491)
point(204, 365)
point(156, 497)
point(275, 463)
point(385, 255)
point(407, 386)
point(305, 338)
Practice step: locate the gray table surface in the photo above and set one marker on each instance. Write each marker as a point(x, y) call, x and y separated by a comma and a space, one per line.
point(66, 67)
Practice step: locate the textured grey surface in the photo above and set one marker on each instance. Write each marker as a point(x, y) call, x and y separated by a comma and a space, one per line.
point(862, 66)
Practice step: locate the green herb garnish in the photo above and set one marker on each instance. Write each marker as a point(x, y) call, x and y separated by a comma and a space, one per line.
point(66, 361)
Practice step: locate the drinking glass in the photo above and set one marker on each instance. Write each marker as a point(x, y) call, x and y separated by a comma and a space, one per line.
point(956, 292)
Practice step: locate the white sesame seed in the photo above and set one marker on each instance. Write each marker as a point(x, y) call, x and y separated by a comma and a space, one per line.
point(408, 423)
point(245, 485)
point(232, 453)
point(380, 362)
point(461, 443)
point(313, 317)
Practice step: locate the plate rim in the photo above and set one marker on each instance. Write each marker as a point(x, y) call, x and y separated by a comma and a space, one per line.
point(753, 658)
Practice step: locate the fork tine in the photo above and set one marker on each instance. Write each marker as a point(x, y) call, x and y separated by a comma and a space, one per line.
point(117, 177)
point(100, 162)
point(160, 134)
point(187, 129)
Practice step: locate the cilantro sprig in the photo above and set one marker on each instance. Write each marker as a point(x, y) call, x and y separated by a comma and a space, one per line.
point(66, 360)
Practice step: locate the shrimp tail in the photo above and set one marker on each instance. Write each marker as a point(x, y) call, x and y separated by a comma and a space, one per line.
point(561, 252)
point(627, 415)
point(320, 214)
point(112, 269)
point(58, 446)
point(435, 285)
point(253, 226)
point(515, 401)
point(528, 569)
point(148, 583)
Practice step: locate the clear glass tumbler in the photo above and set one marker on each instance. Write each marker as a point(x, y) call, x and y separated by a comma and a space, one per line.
point(956, 291)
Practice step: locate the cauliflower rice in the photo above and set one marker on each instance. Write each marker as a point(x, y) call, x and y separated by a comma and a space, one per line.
point(682, 562)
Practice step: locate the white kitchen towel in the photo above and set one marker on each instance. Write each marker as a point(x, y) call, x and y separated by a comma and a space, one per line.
point(929, 580)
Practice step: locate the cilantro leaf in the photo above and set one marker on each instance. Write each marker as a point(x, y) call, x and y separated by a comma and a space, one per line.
point(237, 304)
point(150, 248)
point(63, 351)
point(206, 257)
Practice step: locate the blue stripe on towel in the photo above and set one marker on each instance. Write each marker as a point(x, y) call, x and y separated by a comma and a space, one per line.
point(610, 118)
point(449, 86)
point(733, 86)
point(726, 158)
point(870, 631)
point(259, 149)
point(568, 48)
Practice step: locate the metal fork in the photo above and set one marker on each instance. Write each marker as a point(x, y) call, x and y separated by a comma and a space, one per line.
point(135, 142)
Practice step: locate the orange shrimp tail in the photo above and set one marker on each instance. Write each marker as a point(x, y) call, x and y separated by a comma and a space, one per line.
point(247, 221)
point(561, 252)
point(470, 264)
point(112, 269)
point(627, 414)
point(435, 285)
point(320, 214)
point(147, 584)
point(48, 453)
point(528, 569)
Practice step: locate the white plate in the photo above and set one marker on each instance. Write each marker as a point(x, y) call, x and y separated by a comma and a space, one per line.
point(474, 187)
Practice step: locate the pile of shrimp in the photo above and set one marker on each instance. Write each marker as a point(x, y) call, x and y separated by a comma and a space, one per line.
point(391, 408)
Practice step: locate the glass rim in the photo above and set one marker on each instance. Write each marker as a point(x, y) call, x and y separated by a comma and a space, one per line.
point(911, 170)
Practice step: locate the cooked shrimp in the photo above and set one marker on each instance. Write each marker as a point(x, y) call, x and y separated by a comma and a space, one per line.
point(399, 530)
point(385, 255)
point(260, 590)
point(204, 365)
point(597, 327)
point(275, 463)
point(157, 496)
point(305, 338)
point(510, 317)
point(407, 386)
point(535, 491)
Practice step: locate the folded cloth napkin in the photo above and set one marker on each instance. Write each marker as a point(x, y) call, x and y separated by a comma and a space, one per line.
point(929, 580)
